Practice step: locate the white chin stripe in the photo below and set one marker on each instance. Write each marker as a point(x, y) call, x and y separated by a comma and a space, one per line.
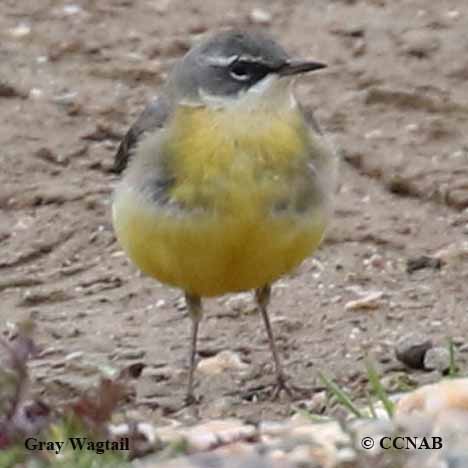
point(264, 84)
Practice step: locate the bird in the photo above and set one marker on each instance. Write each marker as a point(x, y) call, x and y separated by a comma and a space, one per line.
point(226, 179)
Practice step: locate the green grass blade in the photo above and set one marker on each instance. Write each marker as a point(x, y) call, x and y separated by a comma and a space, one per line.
point(452, 371)
point(371, 406)
point(379, 389)
point(340, 395)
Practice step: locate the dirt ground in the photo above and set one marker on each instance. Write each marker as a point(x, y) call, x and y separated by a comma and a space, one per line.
point(74, 76)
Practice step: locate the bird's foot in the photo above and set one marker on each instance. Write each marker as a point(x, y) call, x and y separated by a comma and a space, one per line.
point(274, 391)
point(283, 386)
point(190, 399)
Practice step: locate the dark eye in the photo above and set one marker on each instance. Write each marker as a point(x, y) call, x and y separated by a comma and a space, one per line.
point(242, 70)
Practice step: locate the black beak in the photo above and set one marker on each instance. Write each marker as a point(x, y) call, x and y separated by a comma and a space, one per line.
point(296, 67)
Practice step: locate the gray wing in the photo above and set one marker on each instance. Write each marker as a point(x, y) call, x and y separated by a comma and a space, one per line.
point(153, 117)
point(322, 165)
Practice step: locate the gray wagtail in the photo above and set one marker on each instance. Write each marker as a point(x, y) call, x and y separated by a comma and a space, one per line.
point(227, 180)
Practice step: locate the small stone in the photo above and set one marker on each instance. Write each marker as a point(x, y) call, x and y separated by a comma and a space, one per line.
point(329, 433)
point(36, 93)
point(161, 6)
point(46, 154)
point(180, 304)
point(286, 324)
point(128, 354)
point(317, 404)
point(72, 9)
point(458, 340)
point(426, 378)
point(375, 261)
point(420, 43)
point(373, 134)
point(436, 399)
point(222, 362)
point(218, 432)
point(260, 16)
point(412, 128)
point(455, 251)
point(73, 356)
point(272, 428)
point(437, 358)
point(220, 408)
point(359, 47)
point(21, 30)
point(102, 131)
point(411, 349)
point(142, 435)
point(242, 303)
point(424, 261)
point(31, 298)
point(457, 198)
point(370, 301)
point(7, 90)
point(457, 460)
point(453, 14)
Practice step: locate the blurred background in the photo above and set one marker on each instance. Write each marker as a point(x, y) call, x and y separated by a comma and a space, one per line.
point(394, 99)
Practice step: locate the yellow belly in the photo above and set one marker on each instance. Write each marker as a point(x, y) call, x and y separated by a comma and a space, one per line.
point(246, 214)
point(208, 255)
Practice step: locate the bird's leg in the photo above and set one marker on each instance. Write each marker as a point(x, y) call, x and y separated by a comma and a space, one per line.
point(262, 296)
point(194, 307)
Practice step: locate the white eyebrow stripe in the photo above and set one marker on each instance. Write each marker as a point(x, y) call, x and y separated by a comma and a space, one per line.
point(252, 59)
point(222, 61)
point(225, 61)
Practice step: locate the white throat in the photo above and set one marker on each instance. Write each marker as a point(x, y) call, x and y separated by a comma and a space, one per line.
point(272, 91)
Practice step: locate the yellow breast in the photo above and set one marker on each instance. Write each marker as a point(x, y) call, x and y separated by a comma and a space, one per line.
point(231, 179)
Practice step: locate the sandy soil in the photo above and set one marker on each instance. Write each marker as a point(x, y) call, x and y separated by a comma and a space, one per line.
point(73, 78)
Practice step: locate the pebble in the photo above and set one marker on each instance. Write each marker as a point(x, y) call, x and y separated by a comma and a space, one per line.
point(128, 354)
point(370, 301)
point(260, 16)
point(298, 442)
point(74, 355)
point(21, 30)
point(221, 408)
point(411, 349)
point(180, 304)
point(424, 261)
point(452, 252)
point(317, 404)
point(72, 9)
point(36, 93)
point(375, 261)
point(420, 43)
point(373, 134)
point(436, 399)
point(47, 155)
point(7, 90)
point(359, 47)
point(217, 461)
point(453, 14)
point(437, 358)
point(144, 429)
point(286, 324)
point(222, 362)
point(242, 303)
